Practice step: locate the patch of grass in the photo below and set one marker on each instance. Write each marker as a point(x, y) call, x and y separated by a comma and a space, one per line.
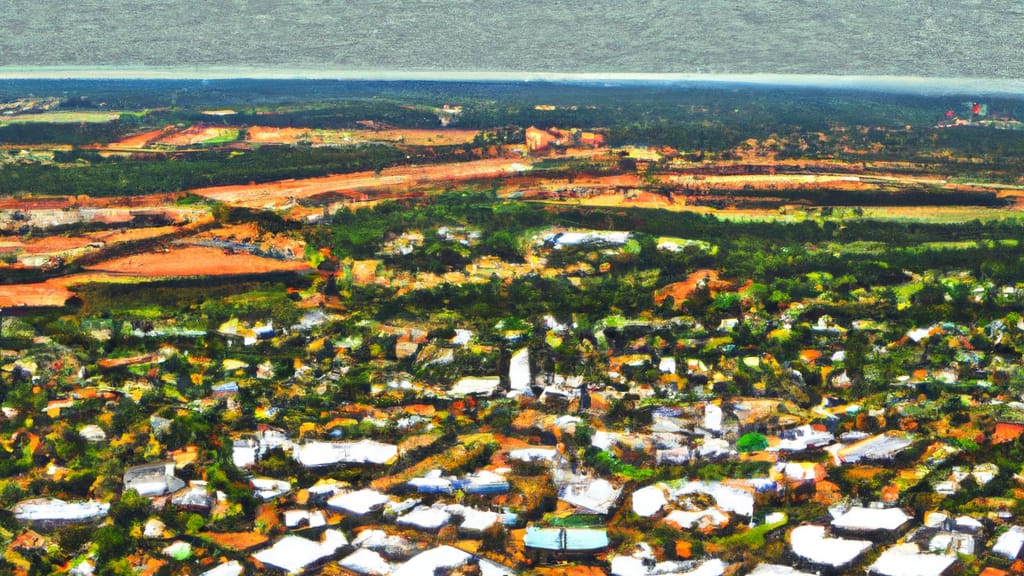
point(225, 138)
point(573, 520)
point(62, 117)
point(752, 539)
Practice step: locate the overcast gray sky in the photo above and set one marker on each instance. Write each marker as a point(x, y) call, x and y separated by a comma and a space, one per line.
point(935, 38)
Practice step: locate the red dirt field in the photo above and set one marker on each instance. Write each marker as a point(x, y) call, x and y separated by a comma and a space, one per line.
point(57, 244)
point(31, 203)
point(413, 137)
point(195, 261)
point(195, 135)
point(249, 233)
point(270, 135)
point(138, 141)
point(53, 292)
point(680, 291)
point(282, 193)
point(53, 244)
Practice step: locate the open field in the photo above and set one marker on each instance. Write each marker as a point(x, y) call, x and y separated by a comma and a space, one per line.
point(176, 262)
point(137, 141)
point(680, 291)
point(282, 193)
point(62, 117)
point(199, 134)
point(319, 137)
point(53, 292)
point(415, 137)
point(933, 214)
point(195, 261)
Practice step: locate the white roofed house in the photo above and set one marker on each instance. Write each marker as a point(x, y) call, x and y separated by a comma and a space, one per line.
point(777, 570)
point(318, 454)
point(908, 560)
point(52, 512)
point(879, 524)
point(804, 437)
point(1009, 543)
point(428, 518)
point(519, 371)
point(590, 495)
point(295, 554)
point(475, 386)
point(154, 479)
point(359, 503)
point(813, 547)
point(532, 454)
point(196, 498)
point(879, 447)
point(445, 560)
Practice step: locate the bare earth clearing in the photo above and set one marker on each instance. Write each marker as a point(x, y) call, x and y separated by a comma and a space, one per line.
point(195, 261)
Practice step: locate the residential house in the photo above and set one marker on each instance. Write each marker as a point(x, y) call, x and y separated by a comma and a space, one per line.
point(906, 559)
point(295, 554)
point(48, 513)
point(445, 560)
point(811, 545)
point(154, 479)
point(875, 523)
point(565, 542)
point(1009, 543)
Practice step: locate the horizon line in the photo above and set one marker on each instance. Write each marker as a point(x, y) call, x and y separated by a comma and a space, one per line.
point(914, 84)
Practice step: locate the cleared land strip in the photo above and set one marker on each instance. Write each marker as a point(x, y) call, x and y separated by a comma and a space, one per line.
point(281, 193)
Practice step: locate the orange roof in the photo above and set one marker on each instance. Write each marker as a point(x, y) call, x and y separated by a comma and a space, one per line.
point(1006, 432)
point(810, 356)
point(419, 409)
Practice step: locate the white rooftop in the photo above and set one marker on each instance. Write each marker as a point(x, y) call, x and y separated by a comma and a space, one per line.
point(776, 570)
point(446, 557)
point(53, 509)
point(293, 518)
point(1009, 543)
point(313, 454)
point(593, 494)
point(427, 518)
point(907, 560)
point(868, 519)
point(667, 365)
point(532, 454)
point(269, 488)
point(580, 237)
point(366, 561)
point(483, 385)
point(519, 370)
point(648, 501)
point(728, 498)
point(294, 553)
point(232, 568)
point(810, 543)
point(473, 520)
point(360, 502)
point(635, 566)
point(686, 519)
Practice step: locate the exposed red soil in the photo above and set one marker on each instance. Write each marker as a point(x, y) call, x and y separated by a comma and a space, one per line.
point(196, 134)
point(680, 291)
point(281, 193)
point(53, 292)
point(138, 141)
point(195, 261)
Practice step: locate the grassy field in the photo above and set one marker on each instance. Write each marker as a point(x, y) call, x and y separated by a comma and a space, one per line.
point(224, 138)
point(62, 117)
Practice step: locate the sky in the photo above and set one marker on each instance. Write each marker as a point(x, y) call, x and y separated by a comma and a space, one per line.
point(919, 38)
